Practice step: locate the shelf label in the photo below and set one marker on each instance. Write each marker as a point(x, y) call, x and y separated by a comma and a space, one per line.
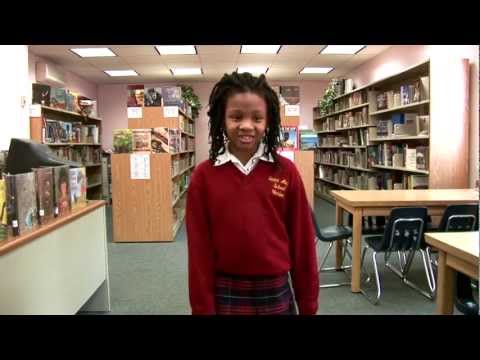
point(292, 110)
point(170, 111)
point(41, 212)
point(134, 112)
point(140, 167)
point(35, 110)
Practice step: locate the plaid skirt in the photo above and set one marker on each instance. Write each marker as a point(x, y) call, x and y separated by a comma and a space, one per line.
point(248, 295)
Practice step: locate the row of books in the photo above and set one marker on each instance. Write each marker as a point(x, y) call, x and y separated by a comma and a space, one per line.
point(186, 125)
point(37, 197)
point(83, 154)
point(404, 124)
point(377, 181)
point(156, 140)
point(140, 96)
point(179, 186)
point(399, 155)
point(416, 91)
point(55, 131)
point(360, 137)
point(357, 158)
point(357, 98)
point(181, 163)
point(63, 98)
point(342, 86)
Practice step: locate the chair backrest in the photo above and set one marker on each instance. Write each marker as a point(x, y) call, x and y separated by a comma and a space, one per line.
point(317, 228)
point(459, 218)
point(404, 229)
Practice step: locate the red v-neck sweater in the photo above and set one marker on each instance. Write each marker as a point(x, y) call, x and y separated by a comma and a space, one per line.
point(256, 224)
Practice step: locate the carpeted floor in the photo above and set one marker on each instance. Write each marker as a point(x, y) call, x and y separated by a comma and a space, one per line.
point(151, 278)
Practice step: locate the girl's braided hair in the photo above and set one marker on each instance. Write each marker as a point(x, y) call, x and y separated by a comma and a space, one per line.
point(235, 83)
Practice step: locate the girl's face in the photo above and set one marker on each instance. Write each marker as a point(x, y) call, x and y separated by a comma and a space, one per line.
point(245, 122)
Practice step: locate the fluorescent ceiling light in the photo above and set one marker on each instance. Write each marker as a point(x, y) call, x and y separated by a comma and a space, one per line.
point(254, 70)
point(93, 52)
point(121, 72)
point(316, 70)
point(186, 71)
point(259, 49)
point(176, 49)
point(342, 49)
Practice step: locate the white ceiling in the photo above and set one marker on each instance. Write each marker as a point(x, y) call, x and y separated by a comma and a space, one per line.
point(215, 60)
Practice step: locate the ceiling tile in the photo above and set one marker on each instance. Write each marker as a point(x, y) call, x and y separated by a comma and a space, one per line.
point(218, 49)
point(107, 62)
point(300, 50)
point(137, 50)
point(265, 58)
point(215, 58)
point(132, 60)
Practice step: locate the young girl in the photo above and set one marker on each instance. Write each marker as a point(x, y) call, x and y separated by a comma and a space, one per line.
point(248, 220)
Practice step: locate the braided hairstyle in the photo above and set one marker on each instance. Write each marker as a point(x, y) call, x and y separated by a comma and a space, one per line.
point(235, 83)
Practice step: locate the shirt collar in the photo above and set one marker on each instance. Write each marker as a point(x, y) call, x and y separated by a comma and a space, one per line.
point(228, 156)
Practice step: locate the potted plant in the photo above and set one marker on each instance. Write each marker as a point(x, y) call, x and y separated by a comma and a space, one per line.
point(192, 99)
point(326, 104)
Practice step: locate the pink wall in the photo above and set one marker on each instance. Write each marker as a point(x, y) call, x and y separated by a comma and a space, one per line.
point(400, 57)
point(72, 81)
point(112, 109)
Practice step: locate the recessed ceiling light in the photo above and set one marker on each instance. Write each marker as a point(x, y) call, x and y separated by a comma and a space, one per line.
point(176, 49)
point(259, 49)
point(316, 70)
point(93, 52)
point(254, 70)
point(121, 72)
point(342, 49)
point(186, 71)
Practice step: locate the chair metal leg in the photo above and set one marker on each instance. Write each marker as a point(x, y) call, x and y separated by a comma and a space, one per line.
point(429, 270)
point(374, 301)
point(428, 295)
point(328, 269)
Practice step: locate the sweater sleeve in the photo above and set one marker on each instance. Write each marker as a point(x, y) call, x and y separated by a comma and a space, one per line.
point(304, 268)
point(201, 273)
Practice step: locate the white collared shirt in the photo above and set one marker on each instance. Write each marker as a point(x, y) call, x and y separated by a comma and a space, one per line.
point(250, 165)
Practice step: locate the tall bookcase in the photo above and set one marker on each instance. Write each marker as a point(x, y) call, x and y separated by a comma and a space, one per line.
point(153, 210)
point(84, 150)
point(354, 153)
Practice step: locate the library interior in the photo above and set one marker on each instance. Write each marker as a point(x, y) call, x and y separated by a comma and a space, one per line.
point(111, 157)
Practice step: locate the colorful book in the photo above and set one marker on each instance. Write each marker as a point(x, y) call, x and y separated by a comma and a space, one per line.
point(41, 94)
point(153, 96)
point(45, 198)
point(21, 202)
point(308, 139)
point(122, 141)
point(136, 94)
point(142, 139)
point(172, 96)
point(160, 140)
point(422, 157)
point(58, 98)
point(289, 138)
point(3, 211)
point(78, 187)
point(62, 190)
point(174, 140)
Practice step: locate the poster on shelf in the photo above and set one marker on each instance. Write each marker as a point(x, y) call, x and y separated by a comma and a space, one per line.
point(292, 110)
point(289, 138)
point(134, 112)
point(140, 167)
point(170, 111)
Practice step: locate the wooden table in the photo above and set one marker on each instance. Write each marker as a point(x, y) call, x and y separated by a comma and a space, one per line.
point(458, 251)
point(380, 203)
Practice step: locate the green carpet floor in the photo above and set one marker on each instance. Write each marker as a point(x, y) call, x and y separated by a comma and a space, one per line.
point(151, 278)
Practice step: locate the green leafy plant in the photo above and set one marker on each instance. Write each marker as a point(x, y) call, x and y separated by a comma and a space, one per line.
point(327, 102)
point(192, 99)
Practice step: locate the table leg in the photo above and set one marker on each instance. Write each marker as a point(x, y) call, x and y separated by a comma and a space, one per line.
point(339, 248)
point(445, 286)
point(356, 249)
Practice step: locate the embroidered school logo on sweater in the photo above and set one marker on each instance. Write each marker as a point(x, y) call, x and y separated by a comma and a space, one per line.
point(278, 186)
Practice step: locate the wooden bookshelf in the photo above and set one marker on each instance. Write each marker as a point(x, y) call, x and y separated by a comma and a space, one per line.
point(345, 166)
point(36, 134)
point(328, 198)
point(152, 204)
point(447, 156)
point(345, 129)
point(338, 184)
point(343, 147)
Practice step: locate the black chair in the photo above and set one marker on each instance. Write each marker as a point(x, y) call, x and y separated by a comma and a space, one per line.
point(330, 234)
point(403, 233)
point(459, 218)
